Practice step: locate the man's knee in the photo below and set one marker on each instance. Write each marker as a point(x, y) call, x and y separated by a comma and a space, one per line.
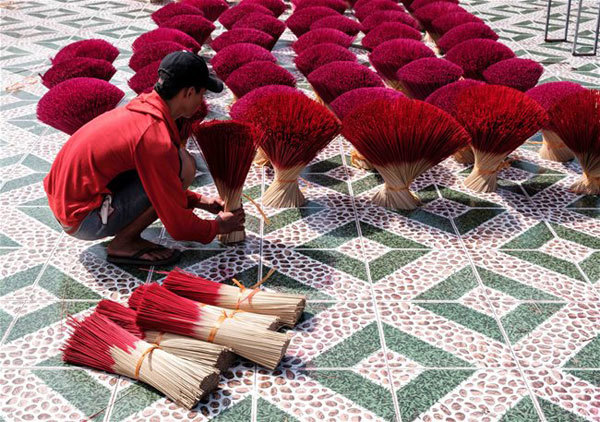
point(188, 168)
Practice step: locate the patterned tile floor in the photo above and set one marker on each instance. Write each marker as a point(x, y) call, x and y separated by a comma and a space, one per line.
point(473, 307)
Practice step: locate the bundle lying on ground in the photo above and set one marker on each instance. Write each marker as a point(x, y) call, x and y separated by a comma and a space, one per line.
point(389, 31)
point(231, 58)
point(440, 25)
point(402, 138)
point(391, 56)
point(345, 103)
point(377, 18)
point(165, 34)
point(162, 310)
point(288, 307)
point(333, 79)
point(99, 343)
point(195, 26)
point(188, 348)
point(275, 6)
point(319, 55)
point(243, 35)
point(145, 78)
point(236, 13)
point(321, 36)
point(427, 14)
point(499, 119)
point(548, 94)
point(341, 23)
point(299, 22)
point(228, 148)
point(374, 6)
point(267, 24)
point(466, 32)
point(474, 56)
point(78, 67)
point(157, 51)
point(93, 49)
point(295, 128)
point(521, 74)
point(173, 9)
point(256, 74)
point(423, 76)
point(446, 98)
point(576, 120)
point(211, 9)
point(339, 6)
point(74, 102)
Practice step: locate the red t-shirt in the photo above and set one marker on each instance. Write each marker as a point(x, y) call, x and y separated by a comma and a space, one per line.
point(141, 136)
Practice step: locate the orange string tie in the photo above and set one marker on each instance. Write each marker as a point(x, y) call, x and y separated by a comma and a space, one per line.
point(159, 338)
point(397, 188)
point(138, 366)
point(215, 328)
point(355, 157)
point(255, 289)
point(258, 208)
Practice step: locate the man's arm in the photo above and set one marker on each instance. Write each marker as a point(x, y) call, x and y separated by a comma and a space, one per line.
point(157, 163)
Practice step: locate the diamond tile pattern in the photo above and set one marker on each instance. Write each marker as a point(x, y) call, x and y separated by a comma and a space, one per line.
point(472, 307)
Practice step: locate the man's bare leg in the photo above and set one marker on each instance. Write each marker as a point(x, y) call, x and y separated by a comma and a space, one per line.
point(129, 241)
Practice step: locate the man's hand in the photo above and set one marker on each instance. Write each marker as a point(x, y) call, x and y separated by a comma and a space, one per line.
point(210, 204)
point(231, 221)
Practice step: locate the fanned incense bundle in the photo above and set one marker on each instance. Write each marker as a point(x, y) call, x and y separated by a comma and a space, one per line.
point(446, 98)
point(423, 76)
point(345, 103)
point(299, 22)
point(185, 124)
point(188, 348)
point(333, 79)
point(402, 138)
point(444, 23)
point(99, 343)
point(427, 14)
point(288, 307)
point(74, 102)
point(145, 78)
point(267, 24)
point(165, 34)
point(377, 18)
point(521, 74)
point(173, 9)
point(228, 148)
point(243, 35)
point(256, 74)
point(339, 6)
point(417, 4)
point(231, 58)
point(195, 26)
point(78, 67)
point(275, 6)
point(93, 49)
point(389, 31)
point(465, 32)
point(152, 53)
point(548, 94)
point(295, 128)
point(236, 13)
point(474, 56)
point(211, 9)
point(499, 119)
point(374, 6)
point(163, 310)
point(319, 55)
point(321, 36)
point(389, 57)
point(576, 120)
point(341, 23)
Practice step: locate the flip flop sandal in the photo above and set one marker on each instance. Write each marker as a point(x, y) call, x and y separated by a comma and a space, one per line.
point(136, 260)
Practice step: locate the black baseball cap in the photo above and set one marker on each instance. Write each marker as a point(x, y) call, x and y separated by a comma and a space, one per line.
point(184, 68)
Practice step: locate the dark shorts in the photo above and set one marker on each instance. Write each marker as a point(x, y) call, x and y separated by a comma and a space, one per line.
point(129, 201)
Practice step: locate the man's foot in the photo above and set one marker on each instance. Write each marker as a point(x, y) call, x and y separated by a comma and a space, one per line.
point(140, 252)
